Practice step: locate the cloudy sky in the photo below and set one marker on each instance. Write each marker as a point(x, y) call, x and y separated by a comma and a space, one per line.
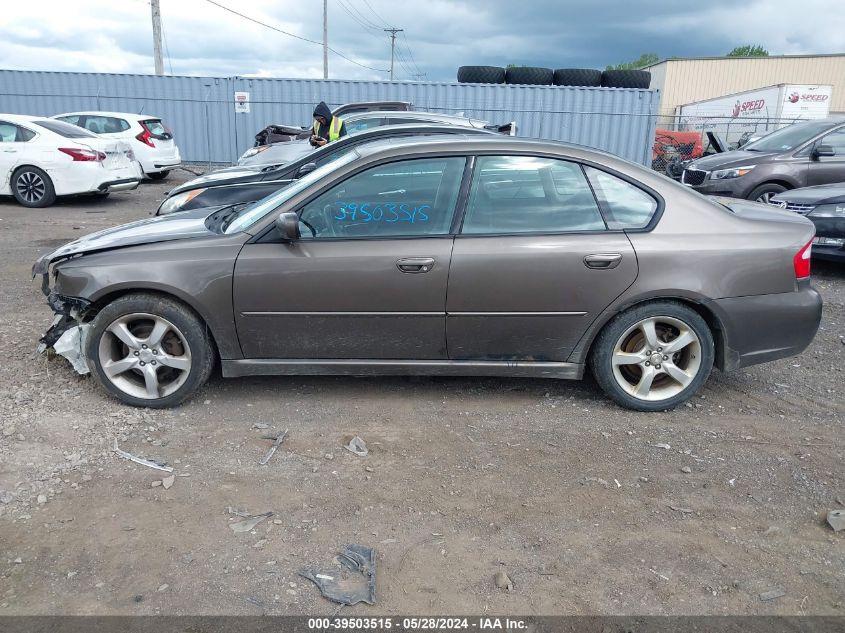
point(204, 39)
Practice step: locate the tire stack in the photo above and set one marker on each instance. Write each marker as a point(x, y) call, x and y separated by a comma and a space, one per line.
point(533, 76)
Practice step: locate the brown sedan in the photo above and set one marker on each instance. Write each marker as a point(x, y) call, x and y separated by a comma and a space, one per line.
point(461, 256)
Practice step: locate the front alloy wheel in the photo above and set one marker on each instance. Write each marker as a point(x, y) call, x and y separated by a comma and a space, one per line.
point(145, 356)
point(653, 357)
point(149, 350)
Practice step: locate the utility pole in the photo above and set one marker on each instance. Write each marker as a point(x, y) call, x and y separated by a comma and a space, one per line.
point(325, 39)
point(159, 62)
point(393, 33)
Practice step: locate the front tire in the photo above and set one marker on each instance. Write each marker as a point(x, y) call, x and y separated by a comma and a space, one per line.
point(149, 351)
point(653, 357)
point(764, 192)
point(33, 188)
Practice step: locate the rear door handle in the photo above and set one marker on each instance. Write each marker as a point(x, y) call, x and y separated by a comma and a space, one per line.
point(603, 261)
point(415, 264)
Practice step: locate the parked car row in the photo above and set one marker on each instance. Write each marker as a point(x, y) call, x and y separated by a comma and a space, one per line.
point(42, 158)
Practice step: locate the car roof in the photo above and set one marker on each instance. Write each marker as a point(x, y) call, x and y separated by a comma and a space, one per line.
point(119, 115)
point(470, 143)
point(21, 118)
point(408, 114)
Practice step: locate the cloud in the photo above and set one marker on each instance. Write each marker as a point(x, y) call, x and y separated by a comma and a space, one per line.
point(439, 36)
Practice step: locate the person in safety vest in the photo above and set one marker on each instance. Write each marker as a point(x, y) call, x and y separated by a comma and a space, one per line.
point(326, 127)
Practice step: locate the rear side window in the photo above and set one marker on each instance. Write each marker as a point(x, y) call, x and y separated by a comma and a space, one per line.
point(105, 124)
point(11, 133)
point(526, 194)
point(65, 129)
point(626, 206)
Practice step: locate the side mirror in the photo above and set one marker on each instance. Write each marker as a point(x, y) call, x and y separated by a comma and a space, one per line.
point(306, 169)
point(823, 150)
point(287, 224)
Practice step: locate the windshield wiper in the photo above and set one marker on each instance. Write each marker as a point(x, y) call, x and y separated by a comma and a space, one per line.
point(220, 219)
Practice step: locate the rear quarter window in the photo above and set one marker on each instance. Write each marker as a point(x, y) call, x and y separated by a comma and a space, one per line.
point(627, 206)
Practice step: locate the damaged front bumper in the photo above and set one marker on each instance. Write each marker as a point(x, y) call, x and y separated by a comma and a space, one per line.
point(68, 333)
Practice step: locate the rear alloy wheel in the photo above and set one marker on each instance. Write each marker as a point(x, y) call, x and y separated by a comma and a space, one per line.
point(764, 193)
point(149, 351)
point(33, 188)
point(159, 175)
point(653, 357)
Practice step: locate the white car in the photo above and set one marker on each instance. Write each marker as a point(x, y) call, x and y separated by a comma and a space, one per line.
point(41, 158)
point(149, 138)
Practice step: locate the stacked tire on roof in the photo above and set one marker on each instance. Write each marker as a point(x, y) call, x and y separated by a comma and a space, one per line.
point(532, 76)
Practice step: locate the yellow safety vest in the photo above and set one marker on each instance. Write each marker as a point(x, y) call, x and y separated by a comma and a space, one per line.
point(334, 128)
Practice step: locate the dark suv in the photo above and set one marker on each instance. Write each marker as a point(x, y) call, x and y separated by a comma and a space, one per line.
point(801, 155)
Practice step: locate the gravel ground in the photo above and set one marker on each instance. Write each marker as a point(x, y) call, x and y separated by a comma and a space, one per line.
point(587, 508)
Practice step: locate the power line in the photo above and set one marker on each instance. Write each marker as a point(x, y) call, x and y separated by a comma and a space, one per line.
point(304, 39)
point(375, 14)
point(359, 17)
point(410, 54)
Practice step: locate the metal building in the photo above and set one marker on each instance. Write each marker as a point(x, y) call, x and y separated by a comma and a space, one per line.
point(683, 81)
point(215, 118)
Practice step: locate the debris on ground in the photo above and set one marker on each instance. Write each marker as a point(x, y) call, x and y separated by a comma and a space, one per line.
point(240, 513)
point(681, 510)
point(836, 520)
point(150, 463)
point(663, 446)
point(277, 441)
point(354, 583)
point(168, 481)
point(686, 469)
point(249, 523)
point(503, 581)
point(597, 480)
point(772, 594)
point(70, 345)
point(357, 446)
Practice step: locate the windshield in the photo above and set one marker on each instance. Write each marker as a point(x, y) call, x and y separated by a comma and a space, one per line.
point(788, 138)
point(65, 129)
point(251, 214)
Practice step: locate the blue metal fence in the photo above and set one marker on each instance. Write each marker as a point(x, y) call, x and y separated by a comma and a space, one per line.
point(202, 110)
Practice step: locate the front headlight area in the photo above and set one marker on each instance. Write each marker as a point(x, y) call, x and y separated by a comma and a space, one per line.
point(829, 211)
point(735, 172)
point(252, 151)
point(177, 203)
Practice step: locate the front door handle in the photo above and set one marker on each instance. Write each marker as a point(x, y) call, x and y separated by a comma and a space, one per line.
point(603, 261)
point(415, 264)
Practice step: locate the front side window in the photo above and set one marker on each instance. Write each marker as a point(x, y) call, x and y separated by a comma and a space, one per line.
point(626, 206)
point(528, 194)
point(835, 140)
point(403, 199)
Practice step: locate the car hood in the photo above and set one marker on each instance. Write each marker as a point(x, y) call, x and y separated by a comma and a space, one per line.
point(246, 173)
point(820, 194)
point(179, 226)
point(727, 160)
point(279, 153)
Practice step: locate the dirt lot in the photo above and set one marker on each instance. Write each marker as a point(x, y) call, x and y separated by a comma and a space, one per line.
point(567, 494)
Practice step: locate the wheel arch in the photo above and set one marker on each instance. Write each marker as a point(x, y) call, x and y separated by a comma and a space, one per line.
point(702, 306)
point(108, 295)
point(783, 182)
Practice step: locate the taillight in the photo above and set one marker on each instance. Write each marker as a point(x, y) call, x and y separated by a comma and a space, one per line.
point(146, 138)
point(79, 154)
point(801, 261)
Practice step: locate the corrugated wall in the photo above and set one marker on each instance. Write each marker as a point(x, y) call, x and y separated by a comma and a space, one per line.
point(201, 110)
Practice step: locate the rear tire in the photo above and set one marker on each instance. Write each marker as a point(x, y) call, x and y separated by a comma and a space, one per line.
point(577, 77)
point(149, 351)
point(626, 79)
point(654, 356)
point(33, 188)
point(481, 75)
point(159, 175)
point(764, 192)
point(529, 76)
